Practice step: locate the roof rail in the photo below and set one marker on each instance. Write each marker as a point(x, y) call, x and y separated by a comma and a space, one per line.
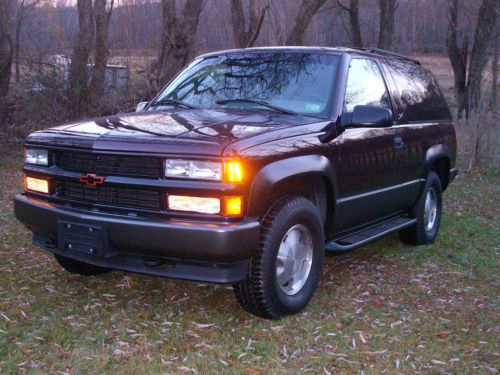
point(383, 52)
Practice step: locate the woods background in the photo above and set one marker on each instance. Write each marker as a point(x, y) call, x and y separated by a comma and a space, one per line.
point(457, 39)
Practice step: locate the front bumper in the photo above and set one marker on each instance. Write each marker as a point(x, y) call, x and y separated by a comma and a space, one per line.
point(192, 250)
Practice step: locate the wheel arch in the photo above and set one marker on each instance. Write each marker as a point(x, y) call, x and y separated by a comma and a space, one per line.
point(437, 159)
point(274, 176)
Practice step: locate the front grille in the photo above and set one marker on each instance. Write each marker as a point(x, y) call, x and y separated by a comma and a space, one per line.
point(108, 195)
point(109, 165)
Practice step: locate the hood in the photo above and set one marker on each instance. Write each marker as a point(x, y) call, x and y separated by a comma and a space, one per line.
point(191, 131)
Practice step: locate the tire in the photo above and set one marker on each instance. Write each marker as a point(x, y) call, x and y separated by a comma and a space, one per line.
point(266, 291)
point(80, 268)
point(424, 232)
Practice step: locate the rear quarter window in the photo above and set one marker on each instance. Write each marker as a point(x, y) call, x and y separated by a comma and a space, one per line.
point(420, 98)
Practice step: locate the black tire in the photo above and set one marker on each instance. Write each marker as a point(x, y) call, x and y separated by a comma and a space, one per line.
point(80, 268)
point(420, 233)
point(261, 294)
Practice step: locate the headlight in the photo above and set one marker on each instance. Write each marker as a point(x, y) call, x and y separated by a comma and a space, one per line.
point(193, 169)
point(35, 156)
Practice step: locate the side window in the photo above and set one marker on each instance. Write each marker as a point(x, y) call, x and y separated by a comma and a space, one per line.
point(365, 86)
point(420, 97)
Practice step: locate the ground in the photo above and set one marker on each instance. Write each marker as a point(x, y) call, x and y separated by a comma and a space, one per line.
point(385, 307)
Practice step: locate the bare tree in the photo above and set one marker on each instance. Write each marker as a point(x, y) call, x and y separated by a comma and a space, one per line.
point(177, 37)
point(355, 29)
point(386, 26)
point(102, 17)
point(78, 74)
point(246, 37)
point(24, 9)
point(468, 74)
point(307, 10)
point(6, 55)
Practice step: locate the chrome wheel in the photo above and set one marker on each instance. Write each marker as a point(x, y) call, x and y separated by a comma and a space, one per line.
point(294, 259)
point(430, 209)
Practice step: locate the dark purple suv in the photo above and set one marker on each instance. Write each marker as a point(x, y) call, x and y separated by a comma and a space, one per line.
point(245, 169)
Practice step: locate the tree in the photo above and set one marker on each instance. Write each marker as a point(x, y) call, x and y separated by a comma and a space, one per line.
point(6, 55)
point(246, 37)
point(78, 74)
point(307, 10)
point(177, 37)
point(24, 9)
point(355, 29)
point(102, 17)
point(386, 26)
point(468, 68)
point(494, 70)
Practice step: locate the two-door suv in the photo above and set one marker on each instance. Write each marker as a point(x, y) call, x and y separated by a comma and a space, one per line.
point(245, 169)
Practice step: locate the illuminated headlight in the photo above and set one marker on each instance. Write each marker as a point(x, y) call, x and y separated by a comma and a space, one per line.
point(35, 156)
point(193, 169)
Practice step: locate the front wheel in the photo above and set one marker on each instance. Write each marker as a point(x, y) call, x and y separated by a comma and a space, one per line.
point(284, 271)
point(427, 211)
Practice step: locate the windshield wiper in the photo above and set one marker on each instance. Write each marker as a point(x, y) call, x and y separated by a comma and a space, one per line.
point(259, 102)
point(172, 102)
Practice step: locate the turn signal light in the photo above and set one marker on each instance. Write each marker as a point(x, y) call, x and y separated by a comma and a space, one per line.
point(38, 185)
point(233, 206)
point(233, 171)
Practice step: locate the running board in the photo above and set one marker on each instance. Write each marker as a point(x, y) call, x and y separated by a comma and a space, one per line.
point(365, 235)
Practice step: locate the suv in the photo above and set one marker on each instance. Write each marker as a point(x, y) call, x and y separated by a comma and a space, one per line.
point(245, 169)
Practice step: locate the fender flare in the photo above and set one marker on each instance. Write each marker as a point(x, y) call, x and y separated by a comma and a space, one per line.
point(278, 171)
point(434, 153)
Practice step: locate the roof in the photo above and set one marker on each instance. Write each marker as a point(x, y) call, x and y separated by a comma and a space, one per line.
point(368, 51)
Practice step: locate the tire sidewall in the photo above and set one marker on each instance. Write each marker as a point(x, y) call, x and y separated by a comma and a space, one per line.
point(307, 215)
point(434, 182)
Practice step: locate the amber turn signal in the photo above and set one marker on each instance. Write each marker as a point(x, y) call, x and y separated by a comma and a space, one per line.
point(233, 206)
point(233, 171)
point(37, 185)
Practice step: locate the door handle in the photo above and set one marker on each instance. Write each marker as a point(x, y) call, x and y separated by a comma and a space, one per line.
point(398, 142)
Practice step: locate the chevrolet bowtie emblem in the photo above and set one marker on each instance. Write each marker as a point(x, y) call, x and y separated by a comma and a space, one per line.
point(91, 179)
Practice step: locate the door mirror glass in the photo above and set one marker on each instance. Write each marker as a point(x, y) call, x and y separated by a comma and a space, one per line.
point(367, 116)
point(140, 107)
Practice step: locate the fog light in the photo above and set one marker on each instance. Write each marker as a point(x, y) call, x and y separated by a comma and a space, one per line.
point(36, 184)
point(233, 206)
point(194, 204)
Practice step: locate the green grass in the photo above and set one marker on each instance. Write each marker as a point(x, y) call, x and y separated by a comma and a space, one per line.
point(384, 307)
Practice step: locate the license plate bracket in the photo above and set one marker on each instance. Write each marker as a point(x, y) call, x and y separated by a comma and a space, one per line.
point(84, 238)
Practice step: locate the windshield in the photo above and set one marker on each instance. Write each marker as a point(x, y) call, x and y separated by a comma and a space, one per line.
point(292, 82)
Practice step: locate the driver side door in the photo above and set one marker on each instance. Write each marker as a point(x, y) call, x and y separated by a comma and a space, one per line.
point(369, 158)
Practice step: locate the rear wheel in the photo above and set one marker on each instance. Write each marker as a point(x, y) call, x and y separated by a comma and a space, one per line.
point(284, 271)
point(80, 268)
point(428, 212)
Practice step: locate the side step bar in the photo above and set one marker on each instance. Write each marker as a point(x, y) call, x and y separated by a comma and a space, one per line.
point(365, 235)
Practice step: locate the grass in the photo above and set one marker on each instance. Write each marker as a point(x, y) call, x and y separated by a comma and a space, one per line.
point(384, 308)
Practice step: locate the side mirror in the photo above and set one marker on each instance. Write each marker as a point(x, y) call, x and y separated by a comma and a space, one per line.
point(367, 116)
point(140, 107)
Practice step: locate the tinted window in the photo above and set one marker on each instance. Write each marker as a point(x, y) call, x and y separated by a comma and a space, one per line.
point(300, 82)
point(420, 97)
point(365, 85)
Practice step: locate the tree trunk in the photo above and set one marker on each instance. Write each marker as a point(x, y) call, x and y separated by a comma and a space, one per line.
point(307, 10)
point(246, 37)
point(177, 39)
point(494, 73)
point(102, 17)
point(6, 57)
point(78, 74)
point(484, 30)
point(468, 82)
point(386, 25)
point(356, 38)
point(458, 59)
point(17, 45)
